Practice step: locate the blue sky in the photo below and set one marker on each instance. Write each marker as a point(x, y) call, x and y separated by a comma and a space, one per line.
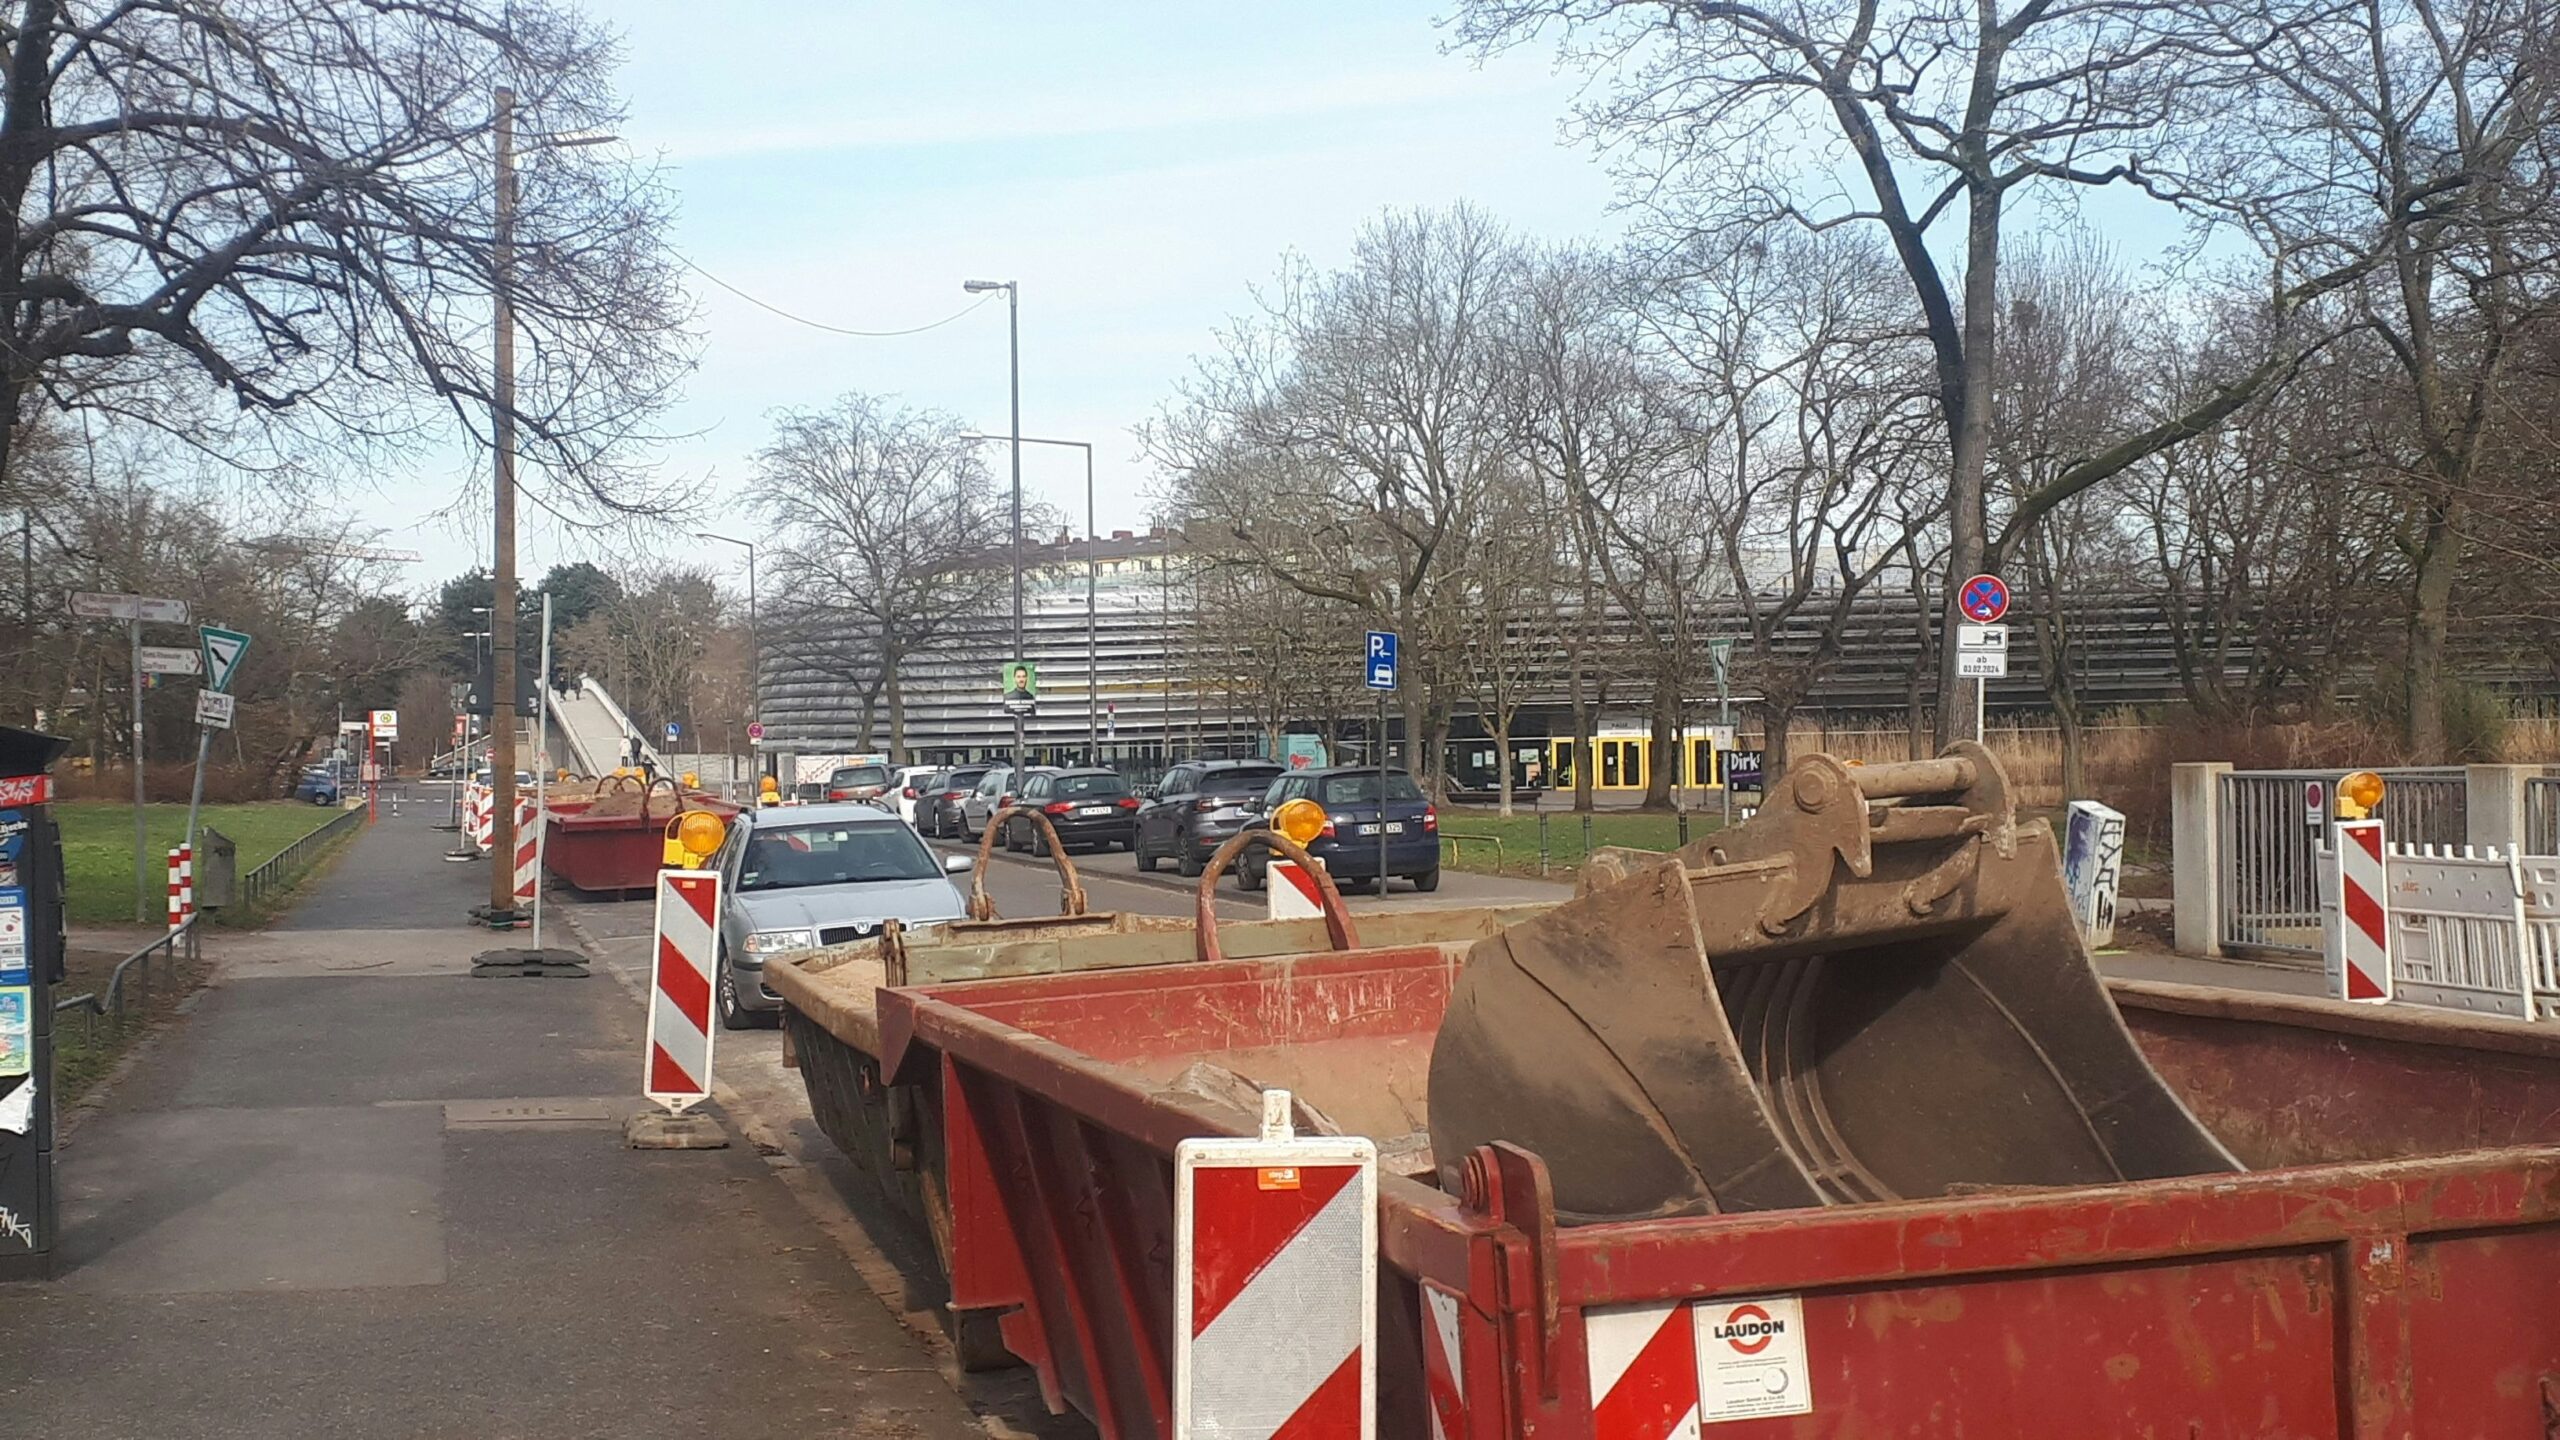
point(1136, 167)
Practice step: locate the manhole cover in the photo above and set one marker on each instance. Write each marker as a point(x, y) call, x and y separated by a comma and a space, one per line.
point(463, 1114)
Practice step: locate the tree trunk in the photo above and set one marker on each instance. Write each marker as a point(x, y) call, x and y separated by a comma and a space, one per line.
point(1666, 744)
point(1579, 751)
point(897, 698)
point(1971, 451)
point(2075, 744)
point(1502, 756)
point(2430, 609)
point(1777, 717)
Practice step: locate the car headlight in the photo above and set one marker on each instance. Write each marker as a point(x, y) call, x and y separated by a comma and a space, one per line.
point(771, 942)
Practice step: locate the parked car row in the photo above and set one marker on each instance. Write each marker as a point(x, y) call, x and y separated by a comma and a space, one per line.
point(1195, 808)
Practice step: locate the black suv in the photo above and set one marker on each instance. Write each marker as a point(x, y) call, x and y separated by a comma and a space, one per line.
point(938, 800)
point(1197, 806)
point(1085, 807)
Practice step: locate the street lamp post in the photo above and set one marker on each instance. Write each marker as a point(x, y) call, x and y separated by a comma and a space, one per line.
point(1013, 338)
point(755, 652)
point(1092, 572)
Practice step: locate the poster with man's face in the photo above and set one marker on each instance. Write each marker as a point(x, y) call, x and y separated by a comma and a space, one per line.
point(1019, 684)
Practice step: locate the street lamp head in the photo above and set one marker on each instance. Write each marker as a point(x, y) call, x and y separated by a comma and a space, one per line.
point(980, 287)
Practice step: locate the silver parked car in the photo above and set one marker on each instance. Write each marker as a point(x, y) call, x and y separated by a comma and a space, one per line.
point(797, 877)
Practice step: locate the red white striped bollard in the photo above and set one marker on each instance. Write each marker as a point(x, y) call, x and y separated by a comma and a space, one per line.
point(1275, 1236)
point(2362, 937)
point(528, 871)
point(186, 882)
point(484, 818)
point(177, 901)
point(677, 1073)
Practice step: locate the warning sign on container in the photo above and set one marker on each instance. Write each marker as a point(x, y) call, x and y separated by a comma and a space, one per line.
point(1751, 1359)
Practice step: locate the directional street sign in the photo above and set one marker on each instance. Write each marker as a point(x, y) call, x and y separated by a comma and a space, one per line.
point(1982, 651)
point(1984, 599)
point(94, 605)
point(169, 660)
point(1381, 673)
point(213, 709)
point(222, 651)
point(673, 730)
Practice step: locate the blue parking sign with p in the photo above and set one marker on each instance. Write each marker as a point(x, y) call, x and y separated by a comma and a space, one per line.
point(1382, 660)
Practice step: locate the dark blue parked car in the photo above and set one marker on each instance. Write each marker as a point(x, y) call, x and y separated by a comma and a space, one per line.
point(317, 785)
point(1349, 845)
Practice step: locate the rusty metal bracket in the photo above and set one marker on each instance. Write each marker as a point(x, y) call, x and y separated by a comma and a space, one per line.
point(1509, 1186)
point(1204, 896)
point(982, 906)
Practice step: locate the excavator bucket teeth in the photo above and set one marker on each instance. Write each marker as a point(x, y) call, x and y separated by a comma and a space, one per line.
point(1874, 990)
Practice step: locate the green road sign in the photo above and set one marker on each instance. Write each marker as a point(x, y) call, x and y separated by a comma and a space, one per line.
point(222, 652)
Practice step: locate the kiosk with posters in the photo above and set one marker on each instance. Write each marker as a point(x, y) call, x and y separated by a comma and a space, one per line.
point(31, 958)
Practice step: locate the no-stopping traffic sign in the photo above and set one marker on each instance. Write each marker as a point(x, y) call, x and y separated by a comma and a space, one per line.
point(1984, 599)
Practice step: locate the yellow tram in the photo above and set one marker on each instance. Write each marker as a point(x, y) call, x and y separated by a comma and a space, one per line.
point(1625, 759)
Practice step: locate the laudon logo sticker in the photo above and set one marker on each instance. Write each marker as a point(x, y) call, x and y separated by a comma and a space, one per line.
point(1748, 1329)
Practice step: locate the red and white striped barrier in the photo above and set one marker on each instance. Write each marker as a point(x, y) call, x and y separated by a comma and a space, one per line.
point(484, 818)
point(2362, 938)
point(1275, 1237)
point(1660, 1371)
point(678, 1070)
point(177, 888)
point(1292, 892)
point(1444, 1367)
point(528, 853)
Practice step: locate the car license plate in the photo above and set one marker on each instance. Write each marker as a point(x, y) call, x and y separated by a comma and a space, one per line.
point(1394, 827)
point(1095, 810)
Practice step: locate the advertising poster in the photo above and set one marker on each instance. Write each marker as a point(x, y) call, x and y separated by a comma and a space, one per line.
point(17, 1030)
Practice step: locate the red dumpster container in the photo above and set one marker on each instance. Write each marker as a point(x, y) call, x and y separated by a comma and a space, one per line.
point(2405, 1287)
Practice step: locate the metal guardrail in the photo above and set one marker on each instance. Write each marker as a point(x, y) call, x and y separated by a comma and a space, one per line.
point(111, 1001)
point(2272, 833)
point(286, 865)
point(1447, 838)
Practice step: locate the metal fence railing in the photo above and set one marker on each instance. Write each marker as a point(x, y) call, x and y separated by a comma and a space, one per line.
point(286, 865)
point(2542, 815)
point(130, 984)
point(2273, 826)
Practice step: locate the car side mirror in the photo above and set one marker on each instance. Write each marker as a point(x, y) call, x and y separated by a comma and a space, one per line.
point(959, 864)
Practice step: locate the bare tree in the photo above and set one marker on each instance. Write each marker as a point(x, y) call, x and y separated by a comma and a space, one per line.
point(1938, 117)
point(1345, 438)
point(293, 202)
point(886, 523)
point(2416, 142)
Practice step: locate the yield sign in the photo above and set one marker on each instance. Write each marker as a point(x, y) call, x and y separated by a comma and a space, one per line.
point(222, 652)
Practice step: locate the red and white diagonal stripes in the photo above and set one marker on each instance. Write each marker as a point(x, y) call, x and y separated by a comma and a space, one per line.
point(1644, 1372)
point(2364, 936)
point(679, 1045)
point(1277, 1302)
point(1444, 1369)
point(1292, 890)
point(528, 857)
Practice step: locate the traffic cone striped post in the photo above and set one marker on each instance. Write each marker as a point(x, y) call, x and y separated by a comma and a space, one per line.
point(177, 913)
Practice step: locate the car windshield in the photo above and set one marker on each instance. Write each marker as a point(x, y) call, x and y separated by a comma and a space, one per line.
point(852, 775)
point(1238, 782)
point(1089, 787)
point(1363, 789)
point(788, 857)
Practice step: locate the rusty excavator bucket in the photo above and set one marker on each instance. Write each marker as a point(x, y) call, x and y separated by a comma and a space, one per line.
point(1874, 990)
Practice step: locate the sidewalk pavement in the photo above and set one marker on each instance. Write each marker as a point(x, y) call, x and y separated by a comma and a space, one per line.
point(356, 1193)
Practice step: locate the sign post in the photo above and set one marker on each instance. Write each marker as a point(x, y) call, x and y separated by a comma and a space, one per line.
point(1380, 675)
point(133, 610)
point(218, 651)
point(1720, 650)
point(1984, 599)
